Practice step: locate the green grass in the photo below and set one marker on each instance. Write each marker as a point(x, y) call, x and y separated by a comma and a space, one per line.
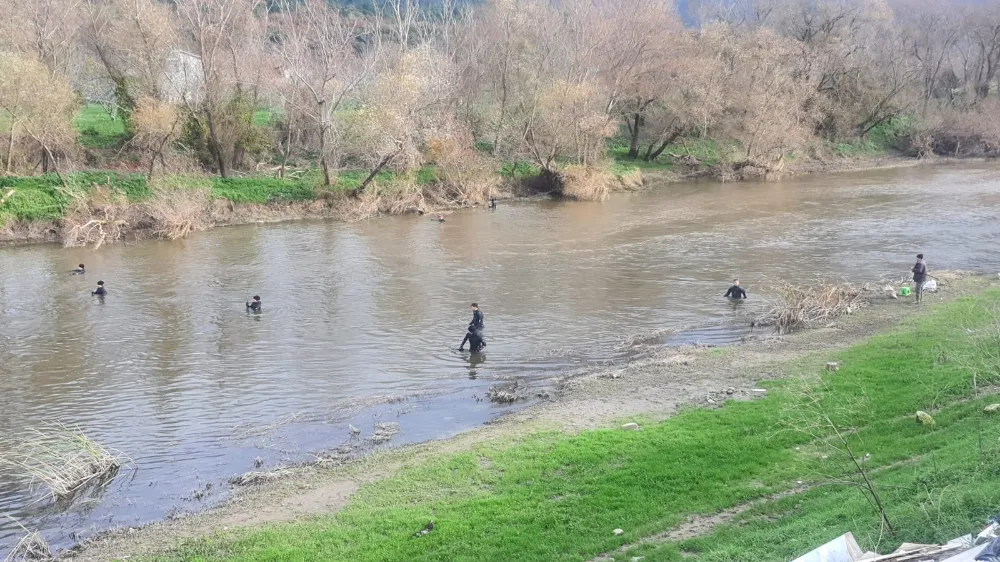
point(95, 129)
point(707, 151)
point(880, 140)
point(46, 198)
point(557, 497)
point(261, 190)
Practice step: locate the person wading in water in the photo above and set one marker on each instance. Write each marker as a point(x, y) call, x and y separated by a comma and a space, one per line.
point(475, 333)
point(736, 292)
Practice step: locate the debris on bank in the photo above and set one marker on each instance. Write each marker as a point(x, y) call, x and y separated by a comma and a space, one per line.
point(31, 547)
point(984, 547)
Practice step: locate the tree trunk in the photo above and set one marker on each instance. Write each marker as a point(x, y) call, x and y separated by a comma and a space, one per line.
point(216, 148)
point(385, 161)
point(633, 127)
point(322, 153)
point(10, 149)
point(654, 153)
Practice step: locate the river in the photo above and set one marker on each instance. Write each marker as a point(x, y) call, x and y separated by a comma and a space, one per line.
point(361, 321)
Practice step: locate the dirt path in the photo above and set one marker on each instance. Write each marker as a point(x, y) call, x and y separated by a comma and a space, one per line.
point(648, 390)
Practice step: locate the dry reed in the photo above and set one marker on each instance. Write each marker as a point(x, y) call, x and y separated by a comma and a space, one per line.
point(64, 459)
point(178, 211)
point(800, 306)
point(586, 183)
point(31, 547)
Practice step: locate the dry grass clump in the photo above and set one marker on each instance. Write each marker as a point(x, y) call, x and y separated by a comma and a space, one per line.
point(100, 216)
point(31, 547)
point(257, 478)
point(631, 179)
point(384, 431)
point(64, 459)
point(586, 183)
point(467, 177)
point(803, 305)
point(176, 211)
point(503, 393)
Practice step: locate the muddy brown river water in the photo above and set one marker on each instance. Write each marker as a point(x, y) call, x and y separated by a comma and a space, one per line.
point(361, 321)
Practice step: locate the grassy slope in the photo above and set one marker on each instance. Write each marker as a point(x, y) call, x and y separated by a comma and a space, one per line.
point(558, 497)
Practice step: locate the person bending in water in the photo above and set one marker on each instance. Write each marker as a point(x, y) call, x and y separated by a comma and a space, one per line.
point(736, 292)
point(474, 335)
point(439, 219)
point(254, 305)
point(100, 291)
point(80, 270)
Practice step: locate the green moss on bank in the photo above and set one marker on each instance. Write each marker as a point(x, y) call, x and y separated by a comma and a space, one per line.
point(553, 496)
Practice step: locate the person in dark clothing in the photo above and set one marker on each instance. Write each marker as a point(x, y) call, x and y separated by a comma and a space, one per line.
point(919, 277)
point(254, 305)
point(736, 292)
point(493, 203)
point(80, 270)
point(474, 335)
point(100, 291)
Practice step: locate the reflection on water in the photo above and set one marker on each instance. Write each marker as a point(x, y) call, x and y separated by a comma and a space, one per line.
point(361, 321)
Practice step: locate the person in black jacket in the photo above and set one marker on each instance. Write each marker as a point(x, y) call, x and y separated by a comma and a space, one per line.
point(100, 291)
point(919, 278)
point(474, 335)
point(736, 292)
point(80, 270)
point(254, 305)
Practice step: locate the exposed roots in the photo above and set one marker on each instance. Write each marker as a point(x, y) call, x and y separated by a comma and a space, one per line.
point(103, 215)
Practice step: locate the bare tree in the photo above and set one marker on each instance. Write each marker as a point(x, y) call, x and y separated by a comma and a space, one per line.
point(45, 30)
point(40, 106)
point(157, 124)
point(227, 38)
point(132, 40)
point(324, 62)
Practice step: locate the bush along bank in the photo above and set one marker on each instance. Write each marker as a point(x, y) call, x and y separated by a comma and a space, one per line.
point(827, 450)
point(96, 207)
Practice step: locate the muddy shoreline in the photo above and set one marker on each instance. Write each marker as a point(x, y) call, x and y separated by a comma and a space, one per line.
point(237, 214)
point(642, 391)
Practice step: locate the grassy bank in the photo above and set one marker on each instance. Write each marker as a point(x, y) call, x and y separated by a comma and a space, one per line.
point(553, 496)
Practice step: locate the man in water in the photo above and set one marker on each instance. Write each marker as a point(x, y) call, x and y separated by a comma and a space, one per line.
point(919, 277)
point(736, 292)
point(100, 291)
point(474, 335)
point(493, 203)
point(439, 219)
point(254, 305)
point(80, 270)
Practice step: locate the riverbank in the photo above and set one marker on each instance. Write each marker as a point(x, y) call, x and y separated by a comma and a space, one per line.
point(555, 480)
point(96, 207)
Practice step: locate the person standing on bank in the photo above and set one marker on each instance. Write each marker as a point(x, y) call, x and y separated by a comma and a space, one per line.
point(919, 278)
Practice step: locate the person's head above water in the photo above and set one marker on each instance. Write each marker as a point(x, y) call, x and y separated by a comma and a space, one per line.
point(920, 256)
point(475, 306)
point(736, 282)
point(256, 298)
point(80, 267)
point(100, 283)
